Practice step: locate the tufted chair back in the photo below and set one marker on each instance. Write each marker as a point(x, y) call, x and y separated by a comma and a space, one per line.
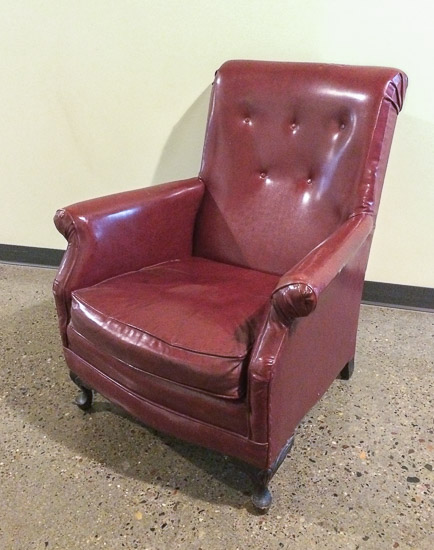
point(292, 150)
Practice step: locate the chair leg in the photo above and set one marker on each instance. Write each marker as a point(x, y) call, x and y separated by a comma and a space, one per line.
point(262, 497)
point(347, 372)
point(85, 397)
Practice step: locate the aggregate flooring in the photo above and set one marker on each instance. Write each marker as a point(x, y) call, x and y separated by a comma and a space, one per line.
point(360, 475)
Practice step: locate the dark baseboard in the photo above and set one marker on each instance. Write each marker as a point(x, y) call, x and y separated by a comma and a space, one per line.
point(387, 294)
point(404, 296)
point(31, 255)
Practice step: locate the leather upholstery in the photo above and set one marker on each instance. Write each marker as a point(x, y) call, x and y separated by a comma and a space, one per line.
point(228, 414)
point(191, 321)
point(289, 144)
point(124, 232)
point(220, 308)
point(299, 290)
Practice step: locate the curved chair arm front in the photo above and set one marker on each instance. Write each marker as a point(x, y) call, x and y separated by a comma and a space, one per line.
point(299, 290)
point(123, 232)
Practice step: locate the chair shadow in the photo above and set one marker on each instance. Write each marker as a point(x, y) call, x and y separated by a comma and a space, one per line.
point(181, 155)
point(225, 470)
point(108, 435)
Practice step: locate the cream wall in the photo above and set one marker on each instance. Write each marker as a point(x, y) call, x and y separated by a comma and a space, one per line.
point(98, 96)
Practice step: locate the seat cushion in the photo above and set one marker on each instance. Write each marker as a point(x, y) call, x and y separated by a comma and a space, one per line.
point(191, 321)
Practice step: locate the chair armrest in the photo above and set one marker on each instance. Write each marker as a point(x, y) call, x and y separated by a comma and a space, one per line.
point(298, 290)
point(124, 232)
point(294, 360)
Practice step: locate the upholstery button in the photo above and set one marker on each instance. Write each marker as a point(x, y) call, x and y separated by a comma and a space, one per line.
point(309, 181)
point(342, 126)
point(263, 175)
point(247, 120)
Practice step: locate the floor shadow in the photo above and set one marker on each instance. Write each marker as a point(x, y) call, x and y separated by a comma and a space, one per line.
point(37, 387)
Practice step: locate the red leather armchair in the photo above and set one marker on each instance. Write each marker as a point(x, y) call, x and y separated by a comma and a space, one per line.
point(220, 308)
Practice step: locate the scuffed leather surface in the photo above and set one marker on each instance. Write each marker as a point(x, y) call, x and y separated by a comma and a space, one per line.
point(192, 321)
point(294, 300)
point(313, 352)
point(111, 235)
point(395, 91)
point(298, 291)
point(294, 146)
point(293, 166)
point(293, 364)
point(229, 414)
point(166, 419)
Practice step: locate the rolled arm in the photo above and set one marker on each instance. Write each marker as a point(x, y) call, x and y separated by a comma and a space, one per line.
point(289, 355)
point(298, 291)
point(118, 233)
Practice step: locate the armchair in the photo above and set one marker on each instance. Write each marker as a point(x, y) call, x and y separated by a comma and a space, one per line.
point(219, 309)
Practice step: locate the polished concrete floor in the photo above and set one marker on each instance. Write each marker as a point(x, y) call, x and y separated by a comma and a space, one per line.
point(360, 475)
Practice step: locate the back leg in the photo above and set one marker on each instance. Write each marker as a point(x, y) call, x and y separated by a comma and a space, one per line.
point(347, 372)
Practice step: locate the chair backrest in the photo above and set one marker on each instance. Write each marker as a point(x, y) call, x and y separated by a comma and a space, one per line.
point(291, 151)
